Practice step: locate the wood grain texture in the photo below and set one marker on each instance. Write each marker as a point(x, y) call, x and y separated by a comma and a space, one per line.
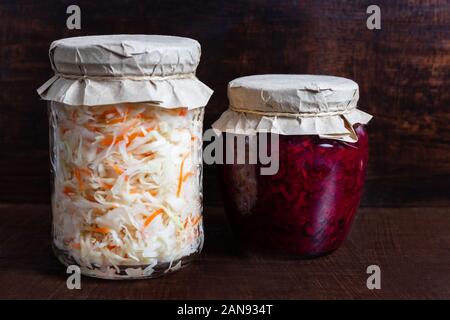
point(403, 72)
point(410, 245)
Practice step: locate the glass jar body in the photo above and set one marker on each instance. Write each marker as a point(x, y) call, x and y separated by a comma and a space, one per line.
point(308, 206)
point(127, 188)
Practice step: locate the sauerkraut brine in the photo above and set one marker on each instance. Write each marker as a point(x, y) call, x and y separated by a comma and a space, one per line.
point(127, 187)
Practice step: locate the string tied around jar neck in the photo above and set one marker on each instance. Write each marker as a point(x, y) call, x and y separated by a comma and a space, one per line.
point(126, 77)
point(292, 114)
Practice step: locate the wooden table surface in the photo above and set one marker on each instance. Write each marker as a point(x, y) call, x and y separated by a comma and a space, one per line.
point(411, 246)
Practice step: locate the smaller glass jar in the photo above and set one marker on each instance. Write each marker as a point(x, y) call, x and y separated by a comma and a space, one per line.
point(126, 118)
point(307, 206)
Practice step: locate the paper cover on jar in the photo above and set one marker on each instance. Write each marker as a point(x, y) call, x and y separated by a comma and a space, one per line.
point(293, 105)
point(99, 70)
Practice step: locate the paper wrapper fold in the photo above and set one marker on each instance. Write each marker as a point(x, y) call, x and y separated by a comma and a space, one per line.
point(337, 127)
point(170, 93)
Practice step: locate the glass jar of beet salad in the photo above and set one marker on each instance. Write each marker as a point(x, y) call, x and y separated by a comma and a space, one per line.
point(318, 149)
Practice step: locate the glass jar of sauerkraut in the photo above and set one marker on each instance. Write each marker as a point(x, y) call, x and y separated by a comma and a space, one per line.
point(319, 144)
point(126, 116)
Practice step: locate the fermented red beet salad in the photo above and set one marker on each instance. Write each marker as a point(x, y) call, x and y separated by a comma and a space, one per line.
point(307, 207)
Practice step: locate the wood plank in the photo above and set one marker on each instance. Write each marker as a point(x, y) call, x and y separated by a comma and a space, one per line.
point(410, 245)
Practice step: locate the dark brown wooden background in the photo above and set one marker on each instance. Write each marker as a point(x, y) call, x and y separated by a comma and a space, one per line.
point(402, 69)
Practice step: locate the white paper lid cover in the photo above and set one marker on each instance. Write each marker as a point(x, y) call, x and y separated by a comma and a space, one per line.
point(122, 55)
point(293, 105)
point(293, 93)
point(100, 70)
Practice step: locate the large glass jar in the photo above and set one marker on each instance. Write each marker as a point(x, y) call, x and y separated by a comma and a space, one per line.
point(306, 206)
point(127, 176)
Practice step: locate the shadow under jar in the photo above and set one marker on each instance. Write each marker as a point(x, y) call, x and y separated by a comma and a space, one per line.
point(307, 206)
point(126, 166)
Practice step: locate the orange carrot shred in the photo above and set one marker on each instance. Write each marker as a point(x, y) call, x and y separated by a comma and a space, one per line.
point(76, 245)
point(101, 230)
point(107, 141)
point(187, 175)
point(152, 216)
point(90, 198)
point(91, 128)
point(68, 190)
point(134, 136)
point(180, 178)
point(85, 170)
point(116, 168)
point(108, 186)
point(77, 173)
point(108, 112)
point(148, 154)
point(196, 220)
point(116, 120)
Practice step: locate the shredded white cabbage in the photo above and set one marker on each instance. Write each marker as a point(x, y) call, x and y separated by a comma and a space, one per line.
point(127, 186)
